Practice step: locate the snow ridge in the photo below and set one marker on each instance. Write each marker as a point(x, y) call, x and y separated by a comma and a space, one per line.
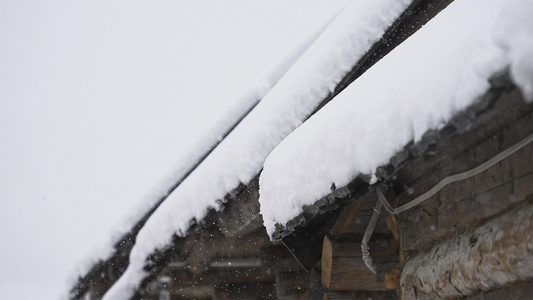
point(420, 85)
point(241, 155)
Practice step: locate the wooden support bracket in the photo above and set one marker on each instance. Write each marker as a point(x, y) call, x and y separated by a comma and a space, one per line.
point(343, 267)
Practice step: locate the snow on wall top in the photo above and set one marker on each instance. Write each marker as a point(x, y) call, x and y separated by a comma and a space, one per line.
point(241, 155)
point(420, 85)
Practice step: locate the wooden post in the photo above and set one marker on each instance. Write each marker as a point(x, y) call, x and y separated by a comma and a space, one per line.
point(344, 269)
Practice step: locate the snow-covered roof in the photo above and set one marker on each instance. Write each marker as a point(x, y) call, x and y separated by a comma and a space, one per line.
point(419, 86)
point(105, 103)
point(240, 157)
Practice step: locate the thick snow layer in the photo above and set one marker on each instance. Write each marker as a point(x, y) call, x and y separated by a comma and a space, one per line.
point(227, 118)
point(103, 104)
point(241, 155)
point(514, 34)
point(419, 86)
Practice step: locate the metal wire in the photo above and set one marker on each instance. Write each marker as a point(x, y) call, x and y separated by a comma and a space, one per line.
point(453, 178)
point(450, 179)
point(365, 249)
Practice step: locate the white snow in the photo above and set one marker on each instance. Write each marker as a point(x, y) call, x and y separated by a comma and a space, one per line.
point(514, 34)
point(420, 85)
point(241, 155)
point(227, 118)
point(105, 103)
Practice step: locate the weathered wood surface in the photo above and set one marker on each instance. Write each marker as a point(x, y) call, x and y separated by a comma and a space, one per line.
point(501, 109)
point(348, 217)
point(222, 275)
point(515, 292)
point(241, 217)
point(496, 254)
point(192, 292)
point(355, 218)
point(345, 246)
point(245, 291)
point(350, 273)
point(212, 243)
point(293, 285)
point(392, 279)
point(463, 204)
point(278, 258)
point(344, 269)
point(358, 295)
point(221, 266)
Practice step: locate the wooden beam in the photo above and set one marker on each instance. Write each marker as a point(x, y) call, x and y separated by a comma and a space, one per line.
point(348, 217)
point(212, 243)
point(246, 291)
point(496, 254)
point(221, 275)
point(355, 217)
point(192, 292)
point(344, 269)
point(236, 262)
point(357, 295)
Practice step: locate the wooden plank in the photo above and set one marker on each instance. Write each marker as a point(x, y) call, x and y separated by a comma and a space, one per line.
point(246, 291)
point(221, 275)
point(357, 295)
point(212, 243)
point(337, 295)
point(236, 262)
point(192, 292)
